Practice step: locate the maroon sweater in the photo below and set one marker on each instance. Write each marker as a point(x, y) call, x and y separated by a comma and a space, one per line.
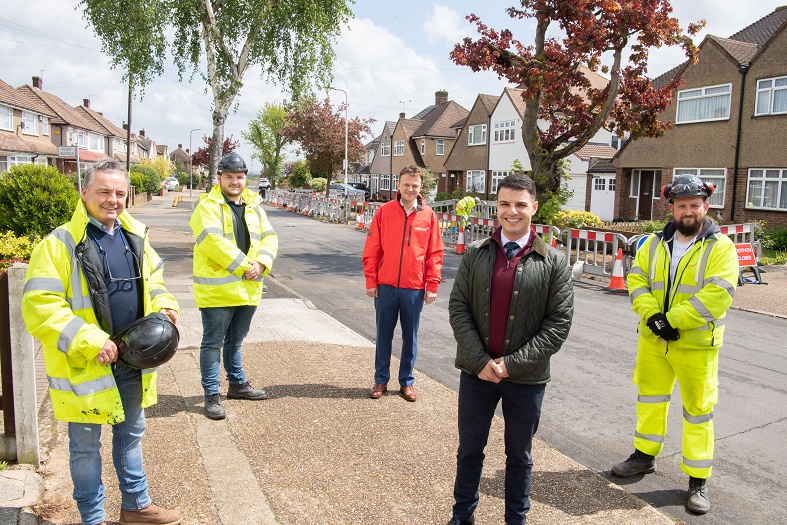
point(503, 275)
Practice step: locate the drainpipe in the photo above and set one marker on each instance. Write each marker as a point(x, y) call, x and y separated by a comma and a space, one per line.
point(743, 69)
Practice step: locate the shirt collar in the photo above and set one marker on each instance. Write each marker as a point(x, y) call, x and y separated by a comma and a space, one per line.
point(521, 242)
point(100, 225)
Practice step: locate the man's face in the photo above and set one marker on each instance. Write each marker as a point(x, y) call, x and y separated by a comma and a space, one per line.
point(232, 184)
point(105, 199)
point(515, 209)
point(409, 187)
point(689, 214)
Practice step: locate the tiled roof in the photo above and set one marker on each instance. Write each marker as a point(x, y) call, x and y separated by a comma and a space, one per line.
point(595, 150)
point(16, 98)
point(161, 149)
point(410, 126)
point(65, 113)
point(602, 166)
point(13, 143)
point(743, 52)
point(761, 31)
point(110, 127)
point(421, 114)
point(437, 123)
point(661, 80)
point(179, 156)
point(515, 94)
point(459, 124)
point(489, 102)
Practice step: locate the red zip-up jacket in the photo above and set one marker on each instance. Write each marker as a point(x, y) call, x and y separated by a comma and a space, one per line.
point(405, 251)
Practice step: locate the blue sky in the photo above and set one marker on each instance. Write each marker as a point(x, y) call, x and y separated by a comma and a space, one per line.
point(391, 58)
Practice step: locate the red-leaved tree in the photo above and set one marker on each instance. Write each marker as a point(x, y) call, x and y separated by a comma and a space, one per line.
point(201, 157)
point(551, 72)
point(319, 132)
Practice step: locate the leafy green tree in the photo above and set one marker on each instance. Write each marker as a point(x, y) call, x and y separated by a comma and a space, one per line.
point(265, 135)
point(290, 42)
point(429, 184)
point(299, 174)
point(34, 200)
point(150, 181)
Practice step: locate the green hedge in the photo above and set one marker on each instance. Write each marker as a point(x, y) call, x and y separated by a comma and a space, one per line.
point(150, 180)
point(35, 199)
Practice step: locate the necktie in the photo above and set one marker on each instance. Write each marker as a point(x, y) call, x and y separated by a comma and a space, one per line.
point(511, 248)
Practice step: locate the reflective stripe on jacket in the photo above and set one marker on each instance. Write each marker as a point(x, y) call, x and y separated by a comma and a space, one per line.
point(218, 263)
point(405, 251)
point(71, 318)
point(697, 302)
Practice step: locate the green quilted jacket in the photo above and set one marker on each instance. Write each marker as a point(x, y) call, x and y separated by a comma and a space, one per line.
point(542, 306)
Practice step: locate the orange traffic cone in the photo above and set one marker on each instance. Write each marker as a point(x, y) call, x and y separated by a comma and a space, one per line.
point(618, 282)
point(554, 243)
point(361, 224)
point(460, 241)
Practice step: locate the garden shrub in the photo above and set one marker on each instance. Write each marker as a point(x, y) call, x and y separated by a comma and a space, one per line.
point(151, 178)
point(318, 184)
point(576, 219)
point(777, 238)
point(14, 249)
point(652, 226)
point(35, 199)
point(442, 196)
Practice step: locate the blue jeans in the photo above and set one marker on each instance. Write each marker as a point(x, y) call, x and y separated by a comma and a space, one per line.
point(85, 460)
point(406, 305)
point(521, 411)
point(223, 328)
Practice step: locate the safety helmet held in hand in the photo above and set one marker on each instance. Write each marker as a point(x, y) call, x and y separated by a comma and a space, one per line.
point(687, 186)
point(232, 162)
point(148, 342)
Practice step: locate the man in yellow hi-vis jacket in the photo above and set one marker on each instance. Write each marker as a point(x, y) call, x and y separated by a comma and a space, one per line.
point(681, 286)
point(87, 281)
point(235, 247)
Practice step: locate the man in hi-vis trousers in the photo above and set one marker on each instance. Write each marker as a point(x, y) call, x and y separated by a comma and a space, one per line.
point(681, 286)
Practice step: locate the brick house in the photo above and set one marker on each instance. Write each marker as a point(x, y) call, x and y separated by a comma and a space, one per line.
point(728, 118)
point(25, 129)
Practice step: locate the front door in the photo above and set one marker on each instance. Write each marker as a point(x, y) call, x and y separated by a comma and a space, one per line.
point(645, 206)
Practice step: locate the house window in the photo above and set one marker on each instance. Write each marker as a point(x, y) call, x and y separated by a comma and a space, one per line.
point(6, 118)
point(385, 149)
point(634, 189)
point(439, 148)
point(767, 189)
point(70, 136)
point(615, 142)
point(716, 176)
point(476, 135)
point(505, 131)
point(82, 138)
point(599, 183)
point(385, 182)
point(31, 123)
point(475, 182)
point(497, 176)
point(94, 141)
point(423, 146)
point(698, 105)
point(398, 148)
point(771, 96)
point(3, 163)
point(375, 184)
point(612, 184)
point(395, 181)
point(45, 126)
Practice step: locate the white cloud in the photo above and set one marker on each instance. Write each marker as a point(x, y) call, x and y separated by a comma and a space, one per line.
point(443, 23)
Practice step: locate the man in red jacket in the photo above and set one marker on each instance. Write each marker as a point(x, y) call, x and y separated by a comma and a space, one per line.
point(402, 260)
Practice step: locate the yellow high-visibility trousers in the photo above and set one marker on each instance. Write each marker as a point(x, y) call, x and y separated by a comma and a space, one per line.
point(696, 371)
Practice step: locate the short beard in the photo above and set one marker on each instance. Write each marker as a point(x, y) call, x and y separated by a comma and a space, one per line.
point(687, 230)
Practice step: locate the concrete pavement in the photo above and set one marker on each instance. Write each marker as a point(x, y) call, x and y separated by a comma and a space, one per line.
point(318, 451)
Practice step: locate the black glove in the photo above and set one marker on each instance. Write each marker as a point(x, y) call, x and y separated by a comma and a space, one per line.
point(660, 326)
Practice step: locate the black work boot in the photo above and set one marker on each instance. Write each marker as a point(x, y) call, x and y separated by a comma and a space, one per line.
point(245, 391)
point(213, 407)
point(699, 500)
point(637, 463)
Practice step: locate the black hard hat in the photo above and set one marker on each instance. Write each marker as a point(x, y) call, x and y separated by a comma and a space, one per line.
point(687, 186)
point(148, 342)
point(232, 162)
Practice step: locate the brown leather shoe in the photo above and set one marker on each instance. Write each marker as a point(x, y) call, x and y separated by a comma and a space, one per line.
point(377, 391)
point(151, 515)
point(408, 393)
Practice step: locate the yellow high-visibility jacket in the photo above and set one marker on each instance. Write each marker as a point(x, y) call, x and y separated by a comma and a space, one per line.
point(69, 312)
point(218, 263)
point(697, 302)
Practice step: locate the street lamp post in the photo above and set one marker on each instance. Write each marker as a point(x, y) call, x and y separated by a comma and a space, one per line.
point(191, 167)
point(346, 189)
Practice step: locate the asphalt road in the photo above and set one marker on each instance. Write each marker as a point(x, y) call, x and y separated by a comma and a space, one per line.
point(589, 409)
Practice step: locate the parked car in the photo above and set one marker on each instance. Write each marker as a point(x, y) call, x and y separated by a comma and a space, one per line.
point(171, 183)
point(338, 188)
point(264, 184)
point(362, 186)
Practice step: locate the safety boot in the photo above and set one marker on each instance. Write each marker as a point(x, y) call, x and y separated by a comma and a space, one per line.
point(213, 407)
point(637, 463)
point(699, 500)
point(245, 391)
point(150, 515)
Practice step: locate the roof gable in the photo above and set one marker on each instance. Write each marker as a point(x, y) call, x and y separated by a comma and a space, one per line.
point(438, 122)
point(19, 99)
point(65, 113)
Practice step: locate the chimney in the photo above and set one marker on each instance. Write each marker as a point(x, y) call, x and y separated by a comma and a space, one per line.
point(142, 132)
point(125, 126)
point(86, 102)
point(440, 97)
point(38, 82)
point(180, 146)
point(401, 115)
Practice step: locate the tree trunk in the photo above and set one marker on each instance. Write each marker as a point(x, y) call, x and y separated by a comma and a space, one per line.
point(217, 142)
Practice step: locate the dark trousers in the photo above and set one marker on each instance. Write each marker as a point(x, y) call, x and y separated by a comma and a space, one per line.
point(405, 305)
point(521, 411)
